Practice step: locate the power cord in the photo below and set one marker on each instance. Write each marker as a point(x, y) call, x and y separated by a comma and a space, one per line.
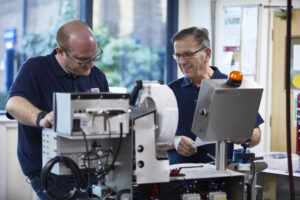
point(88, 159)
point(69, 163)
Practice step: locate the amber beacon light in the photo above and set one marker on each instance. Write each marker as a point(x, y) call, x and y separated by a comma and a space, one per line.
point(235, 78)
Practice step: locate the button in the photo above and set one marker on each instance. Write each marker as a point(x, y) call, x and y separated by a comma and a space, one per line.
point(141, 164)
point(140, 148)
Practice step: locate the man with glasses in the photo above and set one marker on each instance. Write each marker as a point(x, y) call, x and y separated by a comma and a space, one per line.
point(192, 54)
point(69, 68)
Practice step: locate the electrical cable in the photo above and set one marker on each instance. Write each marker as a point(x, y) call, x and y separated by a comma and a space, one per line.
point(154, 191)
point(106, 171)
point(69, 163)
point(185, 186)
point(88, 161)
point(109, 140)
point(288, 88)
point(135, 92)
point(91, 153)
point(253, 172)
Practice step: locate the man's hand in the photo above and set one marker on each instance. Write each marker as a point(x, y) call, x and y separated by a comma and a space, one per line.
point(47, 121)
point(255, 138)
point(184, 146)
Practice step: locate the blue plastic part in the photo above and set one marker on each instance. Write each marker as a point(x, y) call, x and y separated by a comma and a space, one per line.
point(240, 160)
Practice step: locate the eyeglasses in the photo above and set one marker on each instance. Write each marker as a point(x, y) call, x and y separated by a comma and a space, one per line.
point(84, 62)
point(186, 55)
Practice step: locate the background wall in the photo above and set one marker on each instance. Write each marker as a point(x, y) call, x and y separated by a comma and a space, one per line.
point(13, 183)
point(194, 13)
point(209, 14)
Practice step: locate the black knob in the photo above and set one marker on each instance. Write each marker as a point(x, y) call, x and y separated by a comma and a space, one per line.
point(141, 164)
point(203, 112)
point(140, 148)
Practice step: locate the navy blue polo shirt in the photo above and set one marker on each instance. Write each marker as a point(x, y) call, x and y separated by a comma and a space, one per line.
point(36, 81)
point(187, 95)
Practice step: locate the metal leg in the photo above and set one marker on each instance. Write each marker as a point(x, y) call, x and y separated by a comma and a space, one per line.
point(221, 155)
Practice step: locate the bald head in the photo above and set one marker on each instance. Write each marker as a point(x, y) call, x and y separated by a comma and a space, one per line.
point(75, 34)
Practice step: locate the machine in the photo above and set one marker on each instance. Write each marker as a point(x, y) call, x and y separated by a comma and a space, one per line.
point(110, 143)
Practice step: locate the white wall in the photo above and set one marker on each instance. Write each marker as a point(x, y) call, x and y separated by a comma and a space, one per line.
point(13, 183)
point(264, 57)
point(194, 13)
point(263, 67)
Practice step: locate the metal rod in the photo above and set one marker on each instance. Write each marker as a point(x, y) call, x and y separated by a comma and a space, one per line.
point(221, 155)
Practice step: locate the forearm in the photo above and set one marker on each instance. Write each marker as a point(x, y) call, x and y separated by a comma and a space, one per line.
point(256, 136)
point(22, 110)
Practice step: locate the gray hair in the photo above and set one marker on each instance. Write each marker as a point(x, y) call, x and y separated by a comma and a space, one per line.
point(200, 34)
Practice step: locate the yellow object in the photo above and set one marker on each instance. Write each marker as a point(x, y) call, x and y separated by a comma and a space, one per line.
point(296, 81)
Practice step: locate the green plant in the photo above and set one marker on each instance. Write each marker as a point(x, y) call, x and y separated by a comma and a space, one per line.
point(36, 44)
point(124, 60)
point(3, 96)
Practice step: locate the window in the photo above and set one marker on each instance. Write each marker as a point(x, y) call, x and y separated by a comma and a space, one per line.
point(35, 33)
point(132, 34)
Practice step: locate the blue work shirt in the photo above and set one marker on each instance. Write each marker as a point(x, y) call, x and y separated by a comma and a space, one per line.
point(36, 81)
point(187, 95)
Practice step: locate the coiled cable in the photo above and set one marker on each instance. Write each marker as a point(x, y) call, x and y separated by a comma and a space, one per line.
point(69, 163)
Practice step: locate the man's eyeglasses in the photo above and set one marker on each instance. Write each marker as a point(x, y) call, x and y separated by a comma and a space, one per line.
point(84, 62)
point(186, 55)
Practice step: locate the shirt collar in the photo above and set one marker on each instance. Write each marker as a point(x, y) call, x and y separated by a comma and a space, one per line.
point(186, 82)
point(217, 74)
point(58, 70)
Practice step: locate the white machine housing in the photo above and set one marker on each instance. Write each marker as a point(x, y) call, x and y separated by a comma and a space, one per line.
point(156, 128)
point(166, 110)
point(91, 113)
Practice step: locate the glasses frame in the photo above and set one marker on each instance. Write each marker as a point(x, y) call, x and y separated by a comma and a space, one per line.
point(83, 62)
point(187, 55)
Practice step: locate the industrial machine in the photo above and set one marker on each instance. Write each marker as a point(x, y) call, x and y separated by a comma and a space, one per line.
point(110, 142)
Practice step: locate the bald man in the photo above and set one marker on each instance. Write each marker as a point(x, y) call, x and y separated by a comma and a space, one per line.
point(69, 68)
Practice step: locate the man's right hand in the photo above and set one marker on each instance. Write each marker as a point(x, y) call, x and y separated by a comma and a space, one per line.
point(26, 113)
point(47, 121)
point(184, 146)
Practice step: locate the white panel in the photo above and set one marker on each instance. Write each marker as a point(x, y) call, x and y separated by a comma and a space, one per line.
point(2, 163)
point(12, 181)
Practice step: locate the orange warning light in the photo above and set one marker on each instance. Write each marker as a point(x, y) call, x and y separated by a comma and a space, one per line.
point(235, 78)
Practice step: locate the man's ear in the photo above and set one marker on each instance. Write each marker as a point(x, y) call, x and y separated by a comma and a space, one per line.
point(208, 54)
point(59, 50)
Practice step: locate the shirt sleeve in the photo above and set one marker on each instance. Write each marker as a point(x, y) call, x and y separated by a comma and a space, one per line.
point(26, 83)
point(259, 120)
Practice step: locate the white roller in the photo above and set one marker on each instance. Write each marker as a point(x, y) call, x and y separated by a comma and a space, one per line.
point(167, 110)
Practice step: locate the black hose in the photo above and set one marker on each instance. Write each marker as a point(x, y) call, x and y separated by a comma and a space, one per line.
point(135, 92)
point(249, 191)
point(69, 163)
point(288, 88)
